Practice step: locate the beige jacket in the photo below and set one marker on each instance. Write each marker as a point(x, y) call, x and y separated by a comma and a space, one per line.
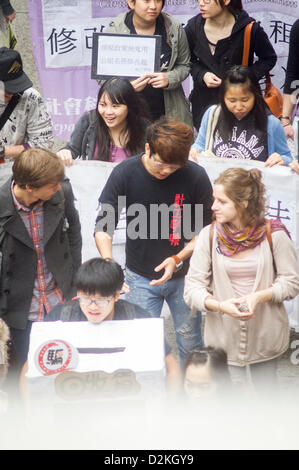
point(266, 335)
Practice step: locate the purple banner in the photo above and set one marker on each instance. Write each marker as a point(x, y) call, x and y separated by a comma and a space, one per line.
point(68, 91)
point(62, 30)
point(104, 8)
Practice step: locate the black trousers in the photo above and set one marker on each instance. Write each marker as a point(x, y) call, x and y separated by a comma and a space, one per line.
point(20, 344)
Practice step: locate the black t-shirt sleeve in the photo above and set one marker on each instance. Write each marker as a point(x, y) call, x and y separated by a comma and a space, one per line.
point(111, 202)
point(204, 194)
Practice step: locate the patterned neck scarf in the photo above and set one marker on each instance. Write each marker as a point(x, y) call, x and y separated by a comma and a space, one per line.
point(231, 242)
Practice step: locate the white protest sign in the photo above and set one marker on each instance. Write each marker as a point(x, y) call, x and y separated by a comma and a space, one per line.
point(137, 337)
point(124, 55)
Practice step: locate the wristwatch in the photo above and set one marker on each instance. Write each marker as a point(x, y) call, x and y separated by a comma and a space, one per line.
point(2, 152)
point(178, 262)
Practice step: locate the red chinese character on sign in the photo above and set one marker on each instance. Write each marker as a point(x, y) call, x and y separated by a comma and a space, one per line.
point(174, 239)
point(175, 223)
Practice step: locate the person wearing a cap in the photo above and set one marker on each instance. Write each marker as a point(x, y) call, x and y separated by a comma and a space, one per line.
point(7, 10)
point(28, 124)
point(7, 15)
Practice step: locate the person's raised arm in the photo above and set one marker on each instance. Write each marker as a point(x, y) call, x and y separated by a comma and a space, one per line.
point(287, 112)
point(73, 148)
point(104, 244)
point(110, 206)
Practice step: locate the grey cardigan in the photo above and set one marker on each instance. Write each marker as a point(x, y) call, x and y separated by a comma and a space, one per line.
point(84, 136)
point(266, 335)
point(83, 139)
point(176, 103)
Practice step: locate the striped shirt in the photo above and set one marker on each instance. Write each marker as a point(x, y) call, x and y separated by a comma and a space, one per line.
point(46, 293)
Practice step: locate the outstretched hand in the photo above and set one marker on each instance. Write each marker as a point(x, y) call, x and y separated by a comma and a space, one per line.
point(66, 156)
point(169, 266)
point(125, 288)
point(289, 131)
point(158, 80)
point(140, 83)
point(274, 159)
point(233, 308)
point(193, 154)
point(211, 80)
point(294, 165)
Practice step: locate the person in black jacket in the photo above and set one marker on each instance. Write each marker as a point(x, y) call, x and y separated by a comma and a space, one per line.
point(291, 86)
point(41, 247)
point(7, 10)
point(215, 39)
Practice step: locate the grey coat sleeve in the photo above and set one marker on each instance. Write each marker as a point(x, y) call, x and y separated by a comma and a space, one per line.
point(181, 68)
point(77, 137)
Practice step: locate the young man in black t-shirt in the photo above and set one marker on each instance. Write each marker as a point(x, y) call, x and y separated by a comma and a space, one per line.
point(167, 201)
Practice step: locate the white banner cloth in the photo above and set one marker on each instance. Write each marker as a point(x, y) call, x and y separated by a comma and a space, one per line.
point(89, 177)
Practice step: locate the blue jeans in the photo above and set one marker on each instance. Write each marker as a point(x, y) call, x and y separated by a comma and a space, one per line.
point(151, 298)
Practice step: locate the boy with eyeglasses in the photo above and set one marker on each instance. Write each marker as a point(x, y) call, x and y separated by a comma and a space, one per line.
point(99, 282)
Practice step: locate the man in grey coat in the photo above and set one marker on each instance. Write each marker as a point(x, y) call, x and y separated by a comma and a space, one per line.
point(41, 243)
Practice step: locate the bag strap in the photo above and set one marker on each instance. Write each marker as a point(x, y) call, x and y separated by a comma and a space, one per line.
point(211, 236)
point(246, 45)
point(269, 236)
point(246, 49)
point(9, 109)
point(212, 123)
point(268, 81)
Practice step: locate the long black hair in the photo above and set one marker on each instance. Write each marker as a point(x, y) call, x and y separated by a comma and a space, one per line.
point(216, 358)
point(243, 76)
point(99, 276)
point(233, 6)
point(120, 91)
